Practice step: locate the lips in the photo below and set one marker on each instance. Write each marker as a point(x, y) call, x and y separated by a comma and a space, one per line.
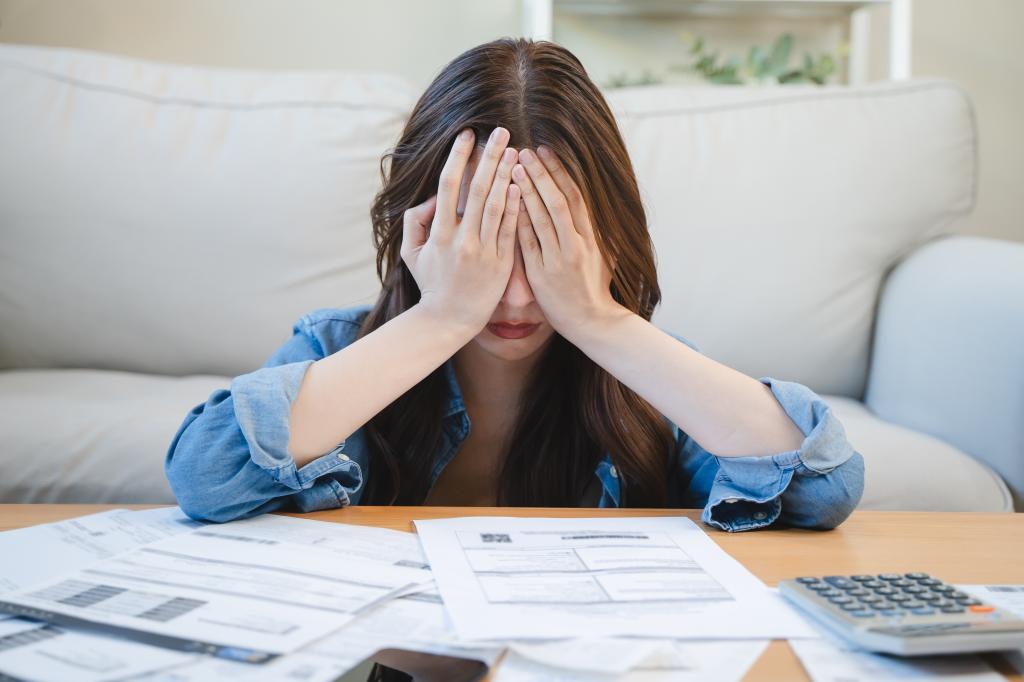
point(507, 330)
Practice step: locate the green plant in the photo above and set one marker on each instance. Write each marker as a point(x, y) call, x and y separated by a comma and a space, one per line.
point(761, 64)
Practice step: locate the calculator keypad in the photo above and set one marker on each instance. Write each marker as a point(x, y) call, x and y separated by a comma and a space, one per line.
point(892, 594)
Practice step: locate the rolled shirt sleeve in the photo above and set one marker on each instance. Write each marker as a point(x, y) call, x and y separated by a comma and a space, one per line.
point(229, 458)
point(815, 486)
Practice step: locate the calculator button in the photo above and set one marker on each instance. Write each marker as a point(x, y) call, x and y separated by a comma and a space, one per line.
point(899, 597)
point(829, 593)
point(915, 589)
point(958, 596)
point(968, 602)
point(930, 596)
point(922, 611)
point(901, 583)
point(916, 576)
point(817, 587)
point(889, 576)
point(862, 614)
point(891, 612)
point(873, 584)
point(841, 583)
point(913, 604)
point(982, 608)
point(853, 606)
point(871, 599)
point(807, 581)
point(885, 590)
point(841, 600)
point(945, 589)
point(857, 592)
point(952, 609)
point(930, 582)
point(862, 578)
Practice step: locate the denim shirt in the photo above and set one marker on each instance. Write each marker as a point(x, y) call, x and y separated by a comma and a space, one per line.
point(229, 458)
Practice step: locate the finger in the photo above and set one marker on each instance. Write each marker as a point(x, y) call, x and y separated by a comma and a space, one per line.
point(507, 230)
point(451, 179)
point(532, 253)
point(483, 178)
point(555, 202)
point(416, 225)
point(570, 190)
point(538, 213)
point(494, 209)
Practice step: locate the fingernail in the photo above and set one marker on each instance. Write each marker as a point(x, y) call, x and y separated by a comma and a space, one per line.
point(466, 134)
point(518, 171)
point(543, 152)
point(526, 155)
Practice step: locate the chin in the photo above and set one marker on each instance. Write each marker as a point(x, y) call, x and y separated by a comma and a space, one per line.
point(514, 349)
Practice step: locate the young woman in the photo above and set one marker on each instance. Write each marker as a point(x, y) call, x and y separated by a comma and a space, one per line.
point(509, 359)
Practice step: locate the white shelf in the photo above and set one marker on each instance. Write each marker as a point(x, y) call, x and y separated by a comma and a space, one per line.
point(539, 17)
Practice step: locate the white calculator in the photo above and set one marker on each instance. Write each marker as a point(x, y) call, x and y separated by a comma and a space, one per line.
point(907, 614)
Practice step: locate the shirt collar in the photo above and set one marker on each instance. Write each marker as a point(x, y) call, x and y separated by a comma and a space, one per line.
point(455, 404)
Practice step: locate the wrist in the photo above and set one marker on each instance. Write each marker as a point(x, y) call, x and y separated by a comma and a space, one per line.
point(441, 319)
point(597, 323)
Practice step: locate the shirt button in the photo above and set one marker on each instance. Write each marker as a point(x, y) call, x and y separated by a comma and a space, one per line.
point(343, 457)
point(613, 471)
point(760, 516)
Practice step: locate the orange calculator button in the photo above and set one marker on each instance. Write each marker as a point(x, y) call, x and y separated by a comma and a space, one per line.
point(982, 608)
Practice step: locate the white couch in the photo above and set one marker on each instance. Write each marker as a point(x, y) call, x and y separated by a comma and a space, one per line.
point(163, 226)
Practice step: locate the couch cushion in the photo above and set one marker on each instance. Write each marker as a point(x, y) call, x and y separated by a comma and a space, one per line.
point(183, 217)
point(908, 470)
point(92, 436)
point(776, 212)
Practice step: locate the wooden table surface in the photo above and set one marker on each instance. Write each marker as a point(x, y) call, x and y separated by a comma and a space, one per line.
point(957, 547)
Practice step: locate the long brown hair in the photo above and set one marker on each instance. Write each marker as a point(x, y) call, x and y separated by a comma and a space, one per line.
point(571, 409)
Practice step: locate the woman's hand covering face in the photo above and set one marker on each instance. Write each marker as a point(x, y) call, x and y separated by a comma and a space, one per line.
point(462, 265)
point(569, 276)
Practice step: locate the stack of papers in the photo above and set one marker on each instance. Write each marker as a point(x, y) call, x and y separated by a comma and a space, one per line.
point(152, 595)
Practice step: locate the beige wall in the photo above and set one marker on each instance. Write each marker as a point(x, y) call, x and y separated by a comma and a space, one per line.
point(971, 42)
point(414, 38)
point(977, 44)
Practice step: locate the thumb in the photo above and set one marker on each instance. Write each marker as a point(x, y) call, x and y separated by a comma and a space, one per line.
point(416, 224)
point(415, 228)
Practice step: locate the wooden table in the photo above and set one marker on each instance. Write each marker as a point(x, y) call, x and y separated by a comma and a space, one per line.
point(958, 547)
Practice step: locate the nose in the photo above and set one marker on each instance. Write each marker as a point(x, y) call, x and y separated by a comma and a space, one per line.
point(518, 293)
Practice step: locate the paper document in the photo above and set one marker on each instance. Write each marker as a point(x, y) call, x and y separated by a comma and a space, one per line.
point(55, 654)
point(345, 539)
point(670, 661)
point(217, 589)
point(39, 553)
point(506, 577)
point(828, 660)
point(416, 622)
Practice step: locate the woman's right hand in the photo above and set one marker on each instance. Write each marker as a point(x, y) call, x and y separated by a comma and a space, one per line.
point(462, 267)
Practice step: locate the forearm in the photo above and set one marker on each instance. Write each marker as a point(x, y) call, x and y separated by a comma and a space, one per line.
point(726, 411)
point(345, 390)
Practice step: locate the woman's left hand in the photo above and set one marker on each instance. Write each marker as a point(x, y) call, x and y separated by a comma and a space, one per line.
point(569, 276)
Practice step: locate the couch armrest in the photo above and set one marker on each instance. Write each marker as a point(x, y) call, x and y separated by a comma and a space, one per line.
point(948, 351)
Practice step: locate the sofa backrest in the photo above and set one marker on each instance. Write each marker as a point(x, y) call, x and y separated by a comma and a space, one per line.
point(777, 212)
point(177, 220)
